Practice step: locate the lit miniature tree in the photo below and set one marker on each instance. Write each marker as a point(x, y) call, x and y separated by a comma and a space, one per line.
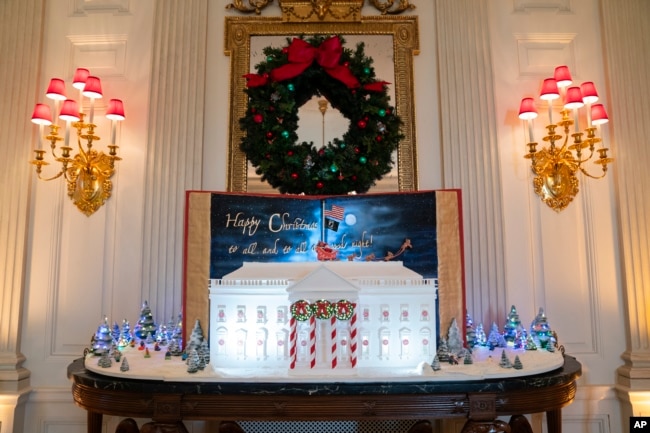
point(481, 338)
point(470, 332)
point(146, 325)
point(541, 330)
point(495, 339)
point(510, 328)
point(103, 340)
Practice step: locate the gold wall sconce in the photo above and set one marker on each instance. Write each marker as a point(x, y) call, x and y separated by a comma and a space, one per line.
point(88, 172)
point(556, 165)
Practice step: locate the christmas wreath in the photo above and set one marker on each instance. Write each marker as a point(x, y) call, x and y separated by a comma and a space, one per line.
point(287, 79)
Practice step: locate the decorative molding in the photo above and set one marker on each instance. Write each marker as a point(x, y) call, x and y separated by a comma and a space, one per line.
point(104, 55)
point(390, 7)
point(249, 6)
point(538, 54)
point(81, 8)
point(562, 6)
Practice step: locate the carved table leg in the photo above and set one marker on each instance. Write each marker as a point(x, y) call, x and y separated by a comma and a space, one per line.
point(127, 425)
point(485, 427)
point(230, 427)
point(94, 422)
point(520, 424)
point(554, 420)
point(421, 427)
point(159, 427)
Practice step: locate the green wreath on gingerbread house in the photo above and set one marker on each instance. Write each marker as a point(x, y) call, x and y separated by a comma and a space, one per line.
point(286, 80)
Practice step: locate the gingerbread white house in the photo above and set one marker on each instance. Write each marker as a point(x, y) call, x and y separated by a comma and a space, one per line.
point(324, 318)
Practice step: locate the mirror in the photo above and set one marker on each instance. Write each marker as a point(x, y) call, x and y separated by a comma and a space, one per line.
point(390, 41)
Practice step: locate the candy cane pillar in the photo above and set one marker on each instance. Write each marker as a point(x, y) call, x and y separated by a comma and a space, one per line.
point(333, 340)
point(293, 337)
point(312, 341)
point(353, 337)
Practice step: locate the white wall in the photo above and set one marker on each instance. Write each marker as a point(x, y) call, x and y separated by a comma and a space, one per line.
point(79, 269)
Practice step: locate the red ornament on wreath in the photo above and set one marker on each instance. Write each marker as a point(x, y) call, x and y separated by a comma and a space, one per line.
point(258, 118)
point(362, 124)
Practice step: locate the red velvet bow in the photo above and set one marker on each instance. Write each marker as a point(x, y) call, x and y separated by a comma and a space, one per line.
point(256, 80)
point(302, 54)
point(377, 86)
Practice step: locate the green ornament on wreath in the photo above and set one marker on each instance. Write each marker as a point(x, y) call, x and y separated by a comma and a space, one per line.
point(287, 79)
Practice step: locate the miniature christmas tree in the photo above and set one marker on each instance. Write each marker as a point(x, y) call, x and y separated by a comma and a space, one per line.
point(105, 360)
point(173, 348)
point(117, 355)
point(161, 335)
point(510, 328)
point(541, 330)
point(146, 325)
point(125, 365)
point(468, 358)
point(505, 361)
point(454, 337)
point(435, 364)
point(103, 340)
point(443, 350)
point(530, 343)
point(495, 339)
point(116, 331)
point(196, 338)
point(518, 365)
point(481, 339)
point(124, 339)
point(470, 332)
point(193, 361)
point(204, 351)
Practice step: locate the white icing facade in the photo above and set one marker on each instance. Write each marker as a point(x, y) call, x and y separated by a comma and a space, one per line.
point(392, 323)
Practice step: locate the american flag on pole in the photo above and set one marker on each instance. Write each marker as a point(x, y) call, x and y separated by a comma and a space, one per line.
point(335, 213)
point(333, 217)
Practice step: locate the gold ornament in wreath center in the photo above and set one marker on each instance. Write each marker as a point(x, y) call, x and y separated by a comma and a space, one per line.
point(286, 80)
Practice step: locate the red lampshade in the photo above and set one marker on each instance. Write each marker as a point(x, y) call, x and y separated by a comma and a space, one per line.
point(69, 111)
point(562, 76)
point(573, 98)
point(56, 89)
point(598, 114)
point(42, 115)
point(80, 76)
point(549, 90)
point(527, 109)
point(589, 94)
point(115, 110)
point(93, 88)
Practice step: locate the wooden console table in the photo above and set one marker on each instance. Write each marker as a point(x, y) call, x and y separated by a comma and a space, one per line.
point(168, 404)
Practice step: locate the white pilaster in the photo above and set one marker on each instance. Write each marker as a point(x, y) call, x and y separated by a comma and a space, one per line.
point(20, 45)
point(628, 69)
point(175, 145)
point(470, 150)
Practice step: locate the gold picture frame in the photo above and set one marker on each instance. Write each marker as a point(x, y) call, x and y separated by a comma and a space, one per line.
point(404, 31)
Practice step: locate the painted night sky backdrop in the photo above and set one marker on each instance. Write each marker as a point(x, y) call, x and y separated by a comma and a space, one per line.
point(280, 228)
